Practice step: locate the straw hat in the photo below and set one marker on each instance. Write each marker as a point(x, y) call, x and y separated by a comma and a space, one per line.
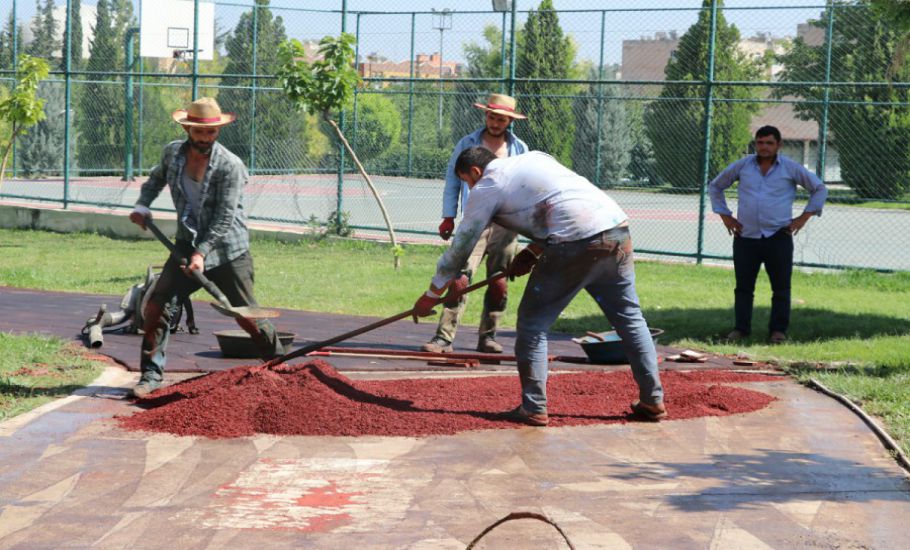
point(203, 112)
point(500, 104)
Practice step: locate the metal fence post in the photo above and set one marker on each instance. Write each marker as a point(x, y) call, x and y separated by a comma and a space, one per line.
point(709, 112)
point(128, 103)
point(512, 51)
point(195, 48)
point(411, 99)
point(339, 197)
point(823, 127)
point(357, 65)
point(67, 101)
point(600, 100)
point(253, 89)
point(502, 57)
point(15, 68)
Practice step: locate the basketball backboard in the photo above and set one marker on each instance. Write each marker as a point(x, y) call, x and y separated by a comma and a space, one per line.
point(166, 28)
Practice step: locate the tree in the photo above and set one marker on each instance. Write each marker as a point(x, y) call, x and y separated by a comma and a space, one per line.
point(44, 31)
point(279, 138)
point(675, 120)
point(324, 87)
point(378, 125)
point(75, 17)
point(7, 48)
point(42, 147)
point(100, 118)
point(22, 109)
point(869, 125)
point(546, 53)
point(614, 135)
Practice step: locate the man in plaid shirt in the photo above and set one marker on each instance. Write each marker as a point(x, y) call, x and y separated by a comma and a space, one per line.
point(206, 182)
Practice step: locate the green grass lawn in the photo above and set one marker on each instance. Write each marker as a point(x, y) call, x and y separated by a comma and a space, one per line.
point(36, 369)
point(857, 321)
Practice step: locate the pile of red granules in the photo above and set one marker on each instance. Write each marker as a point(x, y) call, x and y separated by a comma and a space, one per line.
point(314, 399)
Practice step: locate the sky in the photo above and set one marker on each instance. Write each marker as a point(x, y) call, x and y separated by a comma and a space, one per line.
point(389, 35)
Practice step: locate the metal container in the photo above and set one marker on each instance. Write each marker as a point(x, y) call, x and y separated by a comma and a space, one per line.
point(609, 351)
point(237, 343)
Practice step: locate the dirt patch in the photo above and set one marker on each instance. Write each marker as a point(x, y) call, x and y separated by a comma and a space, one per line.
point(314, 399)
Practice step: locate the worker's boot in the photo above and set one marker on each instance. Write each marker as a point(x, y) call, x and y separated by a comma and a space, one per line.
point(437, 345)
point(486, 341)
point(155, 328)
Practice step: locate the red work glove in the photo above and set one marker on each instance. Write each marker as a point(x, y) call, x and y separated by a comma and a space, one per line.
point(523, 262)
point(455, 290)
point(424, 305)
point(446, 228)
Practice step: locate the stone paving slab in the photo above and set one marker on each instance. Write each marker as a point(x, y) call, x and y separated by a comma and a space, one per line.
point(803, 472)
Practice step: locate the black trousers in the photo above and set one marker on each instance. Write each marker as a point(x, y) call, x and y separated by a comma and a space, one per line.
point(776, 253)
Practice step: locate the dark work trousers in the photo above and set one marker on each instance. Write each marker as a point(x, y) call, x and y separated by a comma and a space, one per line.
point(234, 278)
point(776, 252)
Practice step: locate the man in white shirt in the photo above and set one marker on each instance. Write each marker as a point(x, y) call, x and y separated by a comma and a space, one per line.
point(580, 240)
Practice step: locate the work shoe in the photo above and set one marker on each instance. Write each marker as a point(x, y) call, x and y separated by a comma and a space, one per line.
point(735, 335)
point(487, 344)
point(519, 414)
point(650, 412)
point(437, 345)
point(144, 387)
point(777, 337)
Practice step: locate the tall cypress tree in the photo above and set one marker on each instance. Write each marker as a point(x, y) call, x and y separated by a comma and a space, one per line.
point(100, 122)
point(279, 139)
point(7, 48)
point(75, 16)
point(44, 31)
point(614, 131)
point(42, 146)
point(547, 53)
point(676, 118)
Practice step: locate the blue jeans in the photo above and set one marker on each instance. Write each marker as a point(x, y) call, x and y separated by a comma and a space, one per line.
point(776, 252)
point(603, 266)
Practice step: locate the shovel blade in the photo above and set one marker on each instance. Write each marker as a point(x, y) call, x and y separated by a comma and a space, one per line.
point(245, 312)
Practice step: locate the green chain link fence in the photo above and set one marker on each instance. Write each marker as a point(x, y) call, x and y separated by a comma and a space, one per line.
point(649, 104)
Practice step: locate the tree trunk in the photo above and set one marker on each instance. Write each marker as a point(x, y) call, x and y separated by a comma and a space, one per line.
point(6, 153)
point(369, 181)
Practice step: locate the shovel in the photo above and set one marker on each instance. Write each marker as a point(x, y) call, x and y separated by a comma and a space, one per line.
point(356, 332)
point(223, 306)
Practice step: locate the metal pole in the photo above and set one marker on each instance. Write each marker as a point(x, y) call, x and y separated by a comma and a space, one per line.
point(600, 100)
point(706, 154)
point(357, 64)
point(128, 104)
point(141, 109)
point(502, 57)
point(339, 192)
point(411, 98)
point(439, 118)
point(68, 51)
point(15, 68)
point(823, 127)
point(512, 52)
point(253, 89)
point(195, 48)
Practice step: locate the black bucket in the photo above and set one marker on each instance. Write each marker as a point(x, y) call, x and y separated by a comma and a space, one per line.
point(236, 343)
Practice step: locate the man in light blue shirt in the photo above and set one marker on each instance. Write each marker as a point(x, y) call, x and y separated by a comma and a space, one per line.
point(496, 243)
point(764, 226)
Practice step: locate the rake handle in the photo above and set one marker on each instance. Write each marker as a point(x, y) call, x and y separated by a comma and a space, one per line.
point(373, 326)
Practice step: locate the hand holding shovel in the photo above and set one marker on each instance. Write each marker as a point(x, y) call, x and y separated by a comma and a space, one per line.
point(223, 305)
